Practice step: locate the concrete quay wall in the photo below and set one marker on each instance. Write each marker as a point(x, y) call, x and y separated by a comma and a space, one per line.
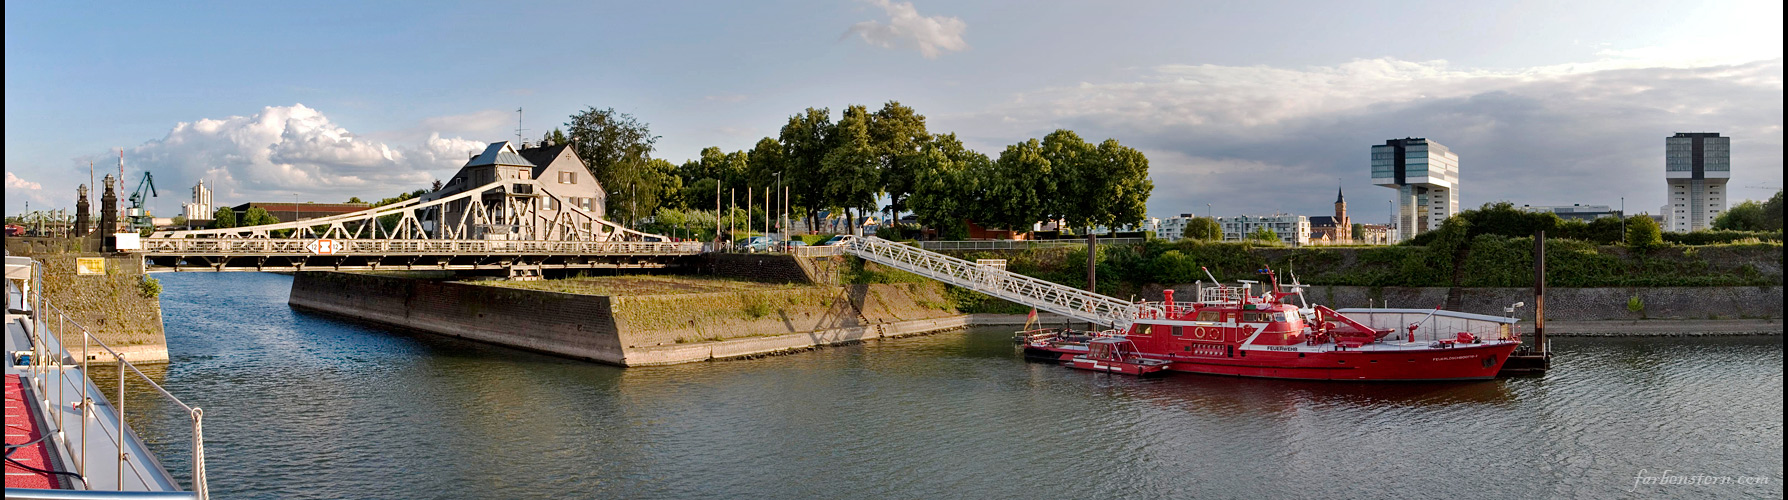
point(636, 330)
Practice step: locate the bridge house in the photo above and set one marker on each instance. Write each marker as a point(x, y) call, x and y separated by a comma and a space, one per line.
point(557, 169)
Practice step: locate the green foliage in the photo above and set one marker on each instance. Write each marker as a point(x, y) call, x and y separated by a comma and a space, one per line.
point(1359, 232)
point(1719, 237)
point(849, 167)
point(223, 218)
point(1772, 213)
point(1746, 216)
point(257, 216)
point(1635, 305)
point(149, 287)
point(946, 189)
point(1264, 234)
point(1204, 229)
point(617, 148)
point(1643, 233)
point(898, 135)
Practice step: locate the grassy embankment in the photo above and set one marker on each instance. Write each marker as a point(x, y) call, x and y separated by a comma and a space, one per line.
point(1488, 261)
point(684, 309)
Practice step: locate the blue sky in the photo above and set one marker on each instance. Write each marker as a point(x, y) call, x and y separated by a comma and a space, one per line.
point(1252, 107)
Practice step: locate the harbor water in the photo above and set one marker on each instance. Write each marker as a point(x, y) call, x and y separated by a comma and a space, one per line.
point(300, 405)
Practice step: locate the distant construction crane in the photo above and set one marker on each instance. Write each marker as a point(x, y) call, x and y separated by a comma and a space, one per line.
point(139, 213)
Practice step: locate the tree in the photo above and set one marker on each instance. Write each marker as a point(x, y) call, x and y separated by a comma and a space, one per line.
point(1745, 216)
point(1359, 233)
point(658, 187)
point(257, 216)
point(1643, 233)
point(1264, 233)
point(616, 148)
point(223, 218)
point(1203, 228)
point(354, 199)
point(1106, 185)
point(947, 185)
point(805, 141)
point(1772, 213)
point(898, 134)
point(554, 138)
point(850, 167)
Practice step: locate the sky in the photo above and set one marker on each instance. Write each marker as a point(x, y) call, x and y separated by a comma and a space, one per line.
point(1241, 107)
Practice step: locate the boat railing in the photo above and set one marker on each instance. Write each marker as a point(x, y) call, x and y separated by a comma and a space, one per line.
point(1435, 325)
point(49, 325)
point(1222, 294)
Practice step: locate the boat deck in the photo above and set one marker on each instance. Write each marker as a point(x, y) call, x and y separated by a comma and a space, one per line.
point(22, 427)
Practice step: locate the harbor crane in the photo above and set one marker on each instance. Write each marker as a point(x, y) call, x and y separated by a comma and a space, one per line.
point(139, 213)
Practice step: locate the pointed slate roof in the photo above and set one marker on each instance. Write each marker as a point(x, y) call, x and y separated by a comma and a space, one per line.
point(541, 157)
point(499, 153)
point(1338, 197)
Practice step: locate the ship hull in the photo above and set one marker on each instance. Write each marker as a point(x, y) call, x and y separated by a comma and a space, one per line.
point(1464, 362)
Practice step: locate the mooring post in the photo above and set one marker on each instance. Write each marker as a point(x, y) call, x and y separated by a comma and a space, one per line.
point(1539, 292)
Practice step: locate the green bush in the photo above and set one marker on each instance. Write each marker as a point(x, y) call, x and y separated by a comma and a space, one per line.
point(1721, 236)
point(1643, 233)
point(149, 287)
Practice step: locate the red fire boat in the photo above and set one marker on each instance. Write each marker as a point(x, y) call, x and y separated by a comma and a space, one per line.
point(1232, 331)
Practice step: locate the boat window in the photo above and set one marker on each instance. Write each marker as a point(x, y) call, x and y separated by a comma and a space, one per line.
point(1256, 317)
point(1177, 332)
point(1210, 316)
point(1279, 317)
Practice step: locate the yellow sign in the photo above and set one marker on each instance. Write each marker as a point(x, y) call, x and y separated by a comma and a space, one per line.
point(90, 265)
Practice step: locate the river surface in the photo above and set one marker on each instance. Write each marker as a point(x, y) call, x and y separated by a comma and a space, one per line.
point(300, 405)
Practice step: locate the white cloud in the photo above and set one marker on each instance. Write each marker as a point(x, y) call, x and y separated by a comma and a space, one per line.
point(284, 150)
point(932, 35)
point(14, 182)
point(1261, 139)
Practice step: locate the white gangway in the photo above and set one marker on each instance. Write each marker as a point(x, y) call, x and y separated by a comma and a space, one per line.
point(997, 282)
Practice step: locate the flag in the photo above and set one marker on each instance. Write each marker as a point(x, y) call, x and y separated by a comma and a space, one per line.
point(1030, 319)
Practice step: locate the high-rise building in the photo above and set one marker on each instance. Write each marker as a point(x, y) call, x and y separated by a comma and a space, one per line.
point(200, 206)
point(1696, 166)
point(1426, 177)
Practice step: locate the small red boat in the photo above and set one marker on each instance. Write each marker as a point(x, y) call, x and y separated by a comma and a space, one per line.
point(1116, 355)
point(1232, 331)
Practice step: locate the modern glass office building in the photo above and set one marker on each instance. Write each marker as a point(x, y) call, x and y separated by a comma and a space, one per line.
point(1696, 166)
point(1426, 177)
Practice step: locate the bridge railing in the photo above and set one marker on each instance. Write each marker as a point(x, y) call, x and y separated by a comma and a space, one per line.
point(308, 246)
point(997, 282)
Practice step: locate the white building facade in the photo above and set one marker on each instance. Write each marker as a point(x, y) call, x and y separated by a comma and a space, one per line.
point(1292, 229)
point(200, 206)
point(1696, 167)
point(1173, 228)
point(1426, 177)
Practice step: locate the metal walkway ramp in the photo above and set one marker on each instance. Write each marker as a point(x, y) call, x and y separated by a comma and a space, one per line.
point(1043, 295)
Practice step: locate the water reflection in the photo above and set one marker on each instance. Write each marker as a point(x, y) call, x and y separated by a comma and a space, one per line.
point(308, 406)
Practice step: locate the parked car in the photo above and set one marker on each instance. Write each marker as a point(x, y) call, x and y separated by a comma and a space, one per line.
point(755, 244)
point(834, 240)
point(790, 246)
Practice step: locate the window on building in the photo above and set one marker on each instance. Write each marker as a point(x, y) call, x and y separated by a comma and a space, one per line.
point(568, 177)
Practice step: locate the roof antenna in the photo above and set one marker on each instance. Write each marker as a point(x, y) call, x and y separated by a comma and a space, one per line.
point(519, 141)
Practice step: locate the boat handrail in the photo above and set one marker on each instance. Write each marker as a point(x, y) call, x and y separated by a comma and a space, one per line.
point(47, 340)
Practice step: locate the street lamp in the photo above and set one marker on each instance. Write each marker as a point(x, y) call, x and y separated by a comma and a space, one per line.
point(780, 223)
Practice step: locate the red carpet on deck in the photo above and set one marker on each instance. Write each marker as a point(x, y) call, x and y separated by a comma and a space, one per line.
point(21, 427)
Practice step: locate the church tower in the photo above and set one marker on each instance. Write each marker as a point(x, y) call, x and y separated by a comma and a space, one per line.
point(1343, 227)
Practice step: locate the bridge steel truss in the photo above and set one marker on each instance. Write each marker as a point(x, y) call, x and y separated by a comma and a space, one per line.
point(500, 225)
point(1043, 295)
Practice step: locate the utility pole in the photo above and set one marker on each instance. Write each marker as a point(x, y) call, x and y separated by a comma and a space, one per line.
point(1623, 218)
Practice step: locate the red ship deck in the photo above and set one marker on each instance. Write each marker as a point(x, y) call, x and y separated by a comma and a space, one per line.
point(21, 427)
